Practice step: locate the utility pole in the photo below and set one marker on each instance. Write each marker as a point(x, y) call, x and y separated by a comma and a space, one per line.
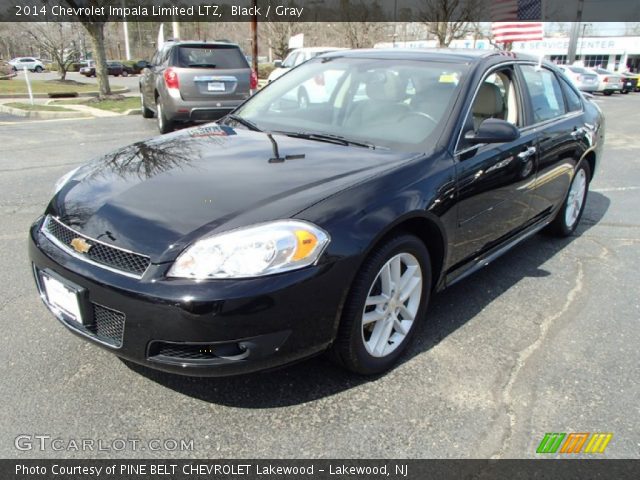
point(575, 32)
point(254, 38)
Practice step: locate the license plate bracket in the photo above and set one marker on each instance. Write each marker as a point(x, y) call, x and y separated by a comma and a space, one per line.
point(215, 87)
point(70, 300)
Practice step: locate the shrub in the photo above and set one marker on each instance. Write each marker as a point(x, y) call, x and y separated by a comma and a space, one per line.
point(265, 69)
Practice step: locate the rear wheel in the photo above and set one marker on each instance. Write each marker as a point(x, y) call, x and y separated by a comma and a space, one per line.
point(388, 298)
point(146, 113)
point(569, 215)
point(608, 92)
point(164, 124)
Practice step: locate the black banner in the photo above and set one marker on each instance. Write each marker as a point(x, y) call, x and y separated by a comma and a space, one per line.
point(578, 469)
point(314, 10)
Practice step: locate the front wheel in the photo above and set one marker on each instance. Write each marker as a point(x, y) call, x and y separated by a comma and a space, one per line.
point(38, 69)
point(388, 298)
point(568, 217)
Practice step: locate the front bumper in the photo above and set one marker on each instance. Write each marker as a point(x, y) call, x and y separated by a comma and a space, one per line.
point(210, 328)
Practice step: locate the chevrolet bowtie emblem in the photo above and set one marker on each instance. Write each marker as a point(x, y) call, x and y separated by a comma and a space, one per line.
point(80, 245)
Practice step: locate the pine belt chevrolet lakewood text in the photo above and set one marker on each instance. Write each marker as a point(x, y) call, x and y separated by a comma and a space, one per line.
point(290, 228)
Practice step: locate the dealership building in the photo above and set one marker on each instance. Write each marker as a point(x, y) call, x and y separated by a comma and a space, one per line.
point(612, 53)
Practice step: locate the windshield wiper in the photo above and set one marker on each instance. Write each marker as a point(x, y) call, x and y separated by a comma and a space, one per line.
point(243, 121)
point(327, 137)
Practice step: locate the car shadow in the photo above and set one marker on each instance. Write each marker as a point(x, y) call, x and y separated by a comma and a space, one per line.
point(318, 377)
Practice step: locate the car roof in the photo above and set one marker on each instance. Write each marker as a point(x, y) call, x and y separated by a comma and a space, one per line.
point(432, 54)
point(197, 43)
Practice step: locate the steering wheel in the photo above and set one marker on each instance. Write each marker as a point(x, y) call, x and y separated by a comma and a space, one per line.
point(418, 114)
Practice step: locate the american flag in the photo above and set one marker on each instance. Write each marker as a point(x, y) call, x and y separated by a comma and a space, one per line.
point(513, 20)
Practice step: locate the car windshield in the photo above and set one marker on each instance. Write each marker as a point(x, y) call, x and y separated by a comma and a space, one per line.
point(578, 70)
point(398, 104)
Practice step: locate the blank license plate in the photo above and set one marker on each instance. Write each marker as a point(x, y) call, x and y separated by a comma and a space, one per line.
point(62, 297)
point(215, 86)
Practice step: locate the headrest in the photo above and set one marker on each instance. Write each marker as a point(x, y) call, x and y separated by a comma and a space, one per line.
point(489, 101)
point(385, 86)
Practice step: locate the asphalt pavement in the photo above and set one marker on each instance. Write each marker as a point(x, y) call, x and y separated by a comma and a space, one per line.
point(545, 339)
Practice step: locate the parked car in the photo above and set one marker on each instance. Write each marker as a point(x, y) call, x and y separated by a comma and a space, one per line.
point(190, 82)
point(297, 57)
point(113, 68)
point(608, 82)
point(281, 232)
point(582, 78)
point(629, 82)
point(30, 63)
point(135, 68)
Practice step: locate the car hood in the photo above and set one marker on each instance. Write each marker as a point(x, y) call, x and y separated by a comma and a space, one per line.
point(277, 73)
point(155, 197)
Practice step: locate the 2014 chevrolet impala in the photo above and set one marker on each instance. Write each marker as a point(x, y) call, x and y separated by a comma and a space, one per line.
point(288, 229)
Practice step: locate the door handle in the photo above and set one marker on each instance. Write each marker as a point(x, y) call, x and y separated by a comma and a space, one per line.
point(530, 151)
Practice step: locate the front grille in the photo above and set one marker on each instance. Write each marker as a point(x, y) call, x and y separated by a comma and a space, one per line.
point(108, 326)
point(101, 253)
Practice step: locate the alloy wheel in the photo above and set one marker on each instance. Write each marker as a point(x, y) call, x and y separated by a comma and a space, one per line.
point(575, 199)
point(392, 305)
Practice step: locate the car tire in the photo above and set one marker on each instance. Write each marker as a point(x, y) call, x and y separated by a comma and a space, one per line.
point(608, 93)
point(164, 124)
point(625, 91)
point(125, 73)
point(146, 112)
point(568, 217)
point(375, 331)
point(38, 69)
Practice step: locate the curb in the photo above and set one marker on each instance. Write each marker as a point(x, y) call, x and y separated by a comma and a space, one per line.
point(133, 111)
point(43, 115)
point(46, 95)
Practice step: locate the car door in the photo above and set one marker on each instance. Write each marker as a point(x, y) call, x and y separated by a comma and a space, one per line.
point(493, 179)
point(560, 134)
point(148, 81)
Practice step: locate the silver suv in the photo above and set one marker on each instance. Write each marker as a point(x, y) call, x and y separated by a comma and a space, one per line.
point(189, 82)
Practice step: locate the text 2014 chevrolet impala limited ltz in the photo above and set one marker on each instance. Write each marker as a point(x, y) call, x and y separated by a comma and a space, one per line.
point(321, 214)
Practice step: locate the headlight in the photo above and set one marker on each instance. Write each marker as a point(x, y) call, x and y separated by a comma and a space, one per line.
point(63, 180)
point(254, 251)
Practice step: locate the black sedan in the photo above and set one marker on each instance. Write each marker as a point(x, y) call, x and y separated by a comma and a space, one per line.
point(288, 229)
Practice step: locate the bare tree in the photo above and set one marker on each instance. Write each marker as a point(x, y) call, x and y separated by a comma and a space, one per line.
point(278, 34)
point(55, 39)
point(449, 20)
point(360, 27)
point(95, 28)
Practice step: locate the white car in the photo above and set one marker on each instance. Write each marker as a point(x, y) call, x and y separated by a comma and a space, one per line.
point(298, 56)
point(30, 63)
point(582, 78)
point(608, 82)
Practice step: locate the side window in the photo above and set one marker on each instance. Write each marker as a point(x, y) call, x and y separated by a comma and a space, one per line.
point(545, 92)
point(496, 98)
point(154, 60)
point(573, 99)
point(289, 61)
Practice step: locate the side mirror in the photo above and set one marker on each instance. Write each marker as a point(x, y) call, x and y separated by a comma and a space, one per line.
point(277, 63)
point(493, 130)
